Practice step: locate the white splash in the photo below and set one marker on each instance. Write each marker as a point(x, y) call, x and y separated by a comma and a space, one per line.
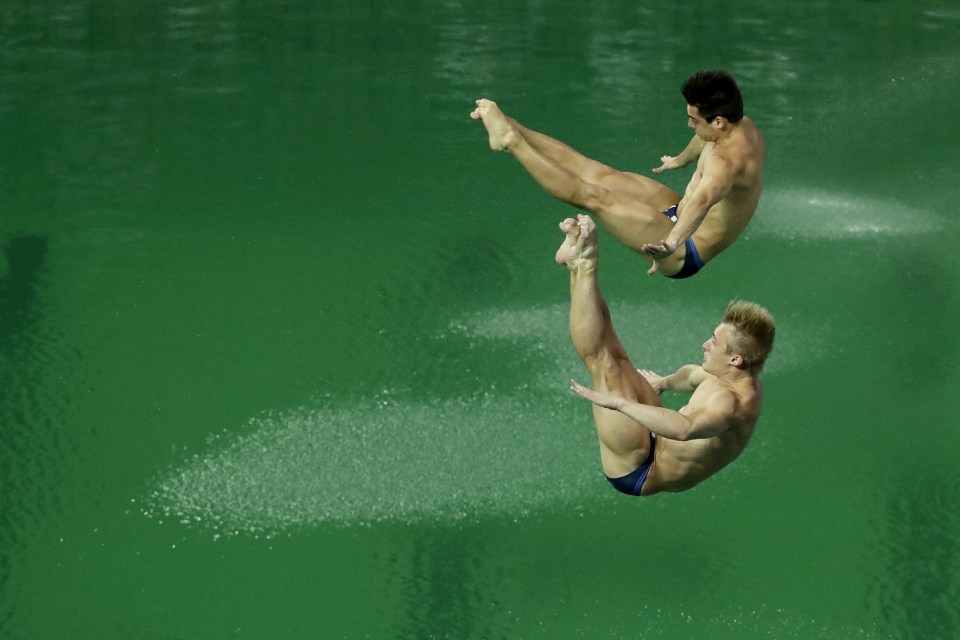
point(386, 458)
point(658, 336)
point(389, 460)
point(804, 215)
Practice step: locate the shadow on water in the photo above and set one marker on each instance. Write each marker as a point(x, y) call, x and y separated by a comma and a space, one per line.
point(441, 602)
point(926, 288)
point(34, 363)
point(918, 590)
point(24, 428)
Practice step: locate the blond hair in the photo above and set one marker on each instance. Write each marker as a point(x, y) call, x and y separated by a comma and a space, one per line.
point(753, 332)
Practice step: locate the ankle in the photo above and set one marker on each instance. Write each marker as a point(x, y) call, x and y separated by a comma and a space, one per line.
point(584, 267)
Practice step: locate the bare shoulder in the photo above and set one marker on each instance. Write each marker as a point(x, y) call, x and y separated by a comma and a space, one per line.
point(721, 400)
point(736, 401)
point(712, 397)
point(752, 139)
point(748, 400)
point(745, 152)
point(698, 376)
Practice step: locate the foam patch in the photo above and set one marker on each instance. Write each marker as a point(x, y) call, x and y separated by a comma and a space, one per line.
point(806, 215)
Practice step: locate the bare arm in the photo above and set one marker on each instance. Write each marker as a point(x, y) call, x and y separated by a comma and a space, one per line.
point(711, 419)
point(690, 153)
point(714, 185)
point(717, 180)
point(686, 378)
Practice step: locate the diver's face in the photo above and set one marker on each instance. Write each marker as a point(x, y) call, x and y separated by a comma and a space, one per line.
point(704, 130)
point(716, 353)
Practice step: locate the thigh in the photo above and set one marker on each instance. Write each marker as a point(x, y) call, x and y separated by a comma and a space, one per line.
point(638, 385)
point(639, 188)
point(614, 373)
point(629, 219)
point(624, 441)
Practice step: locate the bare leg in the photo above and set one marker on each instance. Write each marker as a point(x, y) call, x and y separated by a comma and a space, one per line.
point(627, 215)
point(624, 444)
point(641, 188)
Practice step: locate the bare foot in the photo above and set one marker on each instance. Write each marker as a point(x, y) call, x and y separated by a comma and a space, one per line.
point(579, 248)
point(502, 135)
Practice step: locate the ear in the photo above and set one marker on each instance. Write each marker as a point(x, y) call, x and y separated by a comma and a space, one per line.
point(719, 122)
point(736, 360)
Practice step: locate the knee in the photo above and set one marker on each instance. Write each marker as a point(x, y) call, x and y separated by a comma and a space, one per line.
point(588, 197)
point(606, 372)
point(607, 177)
point(602, 201)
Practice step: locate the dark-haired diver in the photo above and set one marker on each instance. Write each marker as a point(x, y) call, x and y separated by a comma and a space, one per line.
point(691, 444)
point(676, 235)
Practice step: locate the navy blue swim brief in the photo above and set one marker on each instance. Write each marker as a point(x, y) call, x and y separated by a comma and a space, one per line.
point(691, 261)
point(632, 483)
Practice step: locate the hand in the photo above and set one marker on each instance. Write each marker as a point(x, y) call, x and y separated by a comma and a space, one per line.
point(657, 251)
point(669, 162)
point(604, 400)
point(655, 380)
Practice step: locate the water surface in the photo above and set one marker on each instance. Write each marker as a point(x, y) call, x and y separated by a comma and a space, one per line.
point(284, 348)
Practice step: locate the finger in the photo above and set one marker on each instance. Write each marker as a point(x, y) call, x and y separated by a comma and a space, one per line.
point(653, 268)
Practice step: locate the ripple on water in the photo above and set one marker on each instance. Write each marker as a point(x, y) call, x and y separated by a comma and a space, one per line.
point(748, 621)
point(916, 586)
point(36, 368)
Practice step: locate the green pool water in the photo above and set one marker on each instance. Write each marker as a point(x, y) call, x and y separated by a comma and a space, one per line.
point(283, 348)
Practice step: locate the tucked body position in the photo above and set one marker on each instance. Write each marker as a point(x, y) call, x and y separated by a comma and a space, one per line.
point(644, 447)
point(677, 235)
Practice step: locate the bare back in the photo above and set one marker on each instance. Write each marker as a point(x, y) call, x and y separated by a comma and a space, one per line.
point(745, 151)
point(680, 465)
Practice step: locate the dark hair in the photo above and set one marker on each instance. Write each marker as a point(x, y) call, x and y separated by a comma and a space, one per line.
point(714, 93)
